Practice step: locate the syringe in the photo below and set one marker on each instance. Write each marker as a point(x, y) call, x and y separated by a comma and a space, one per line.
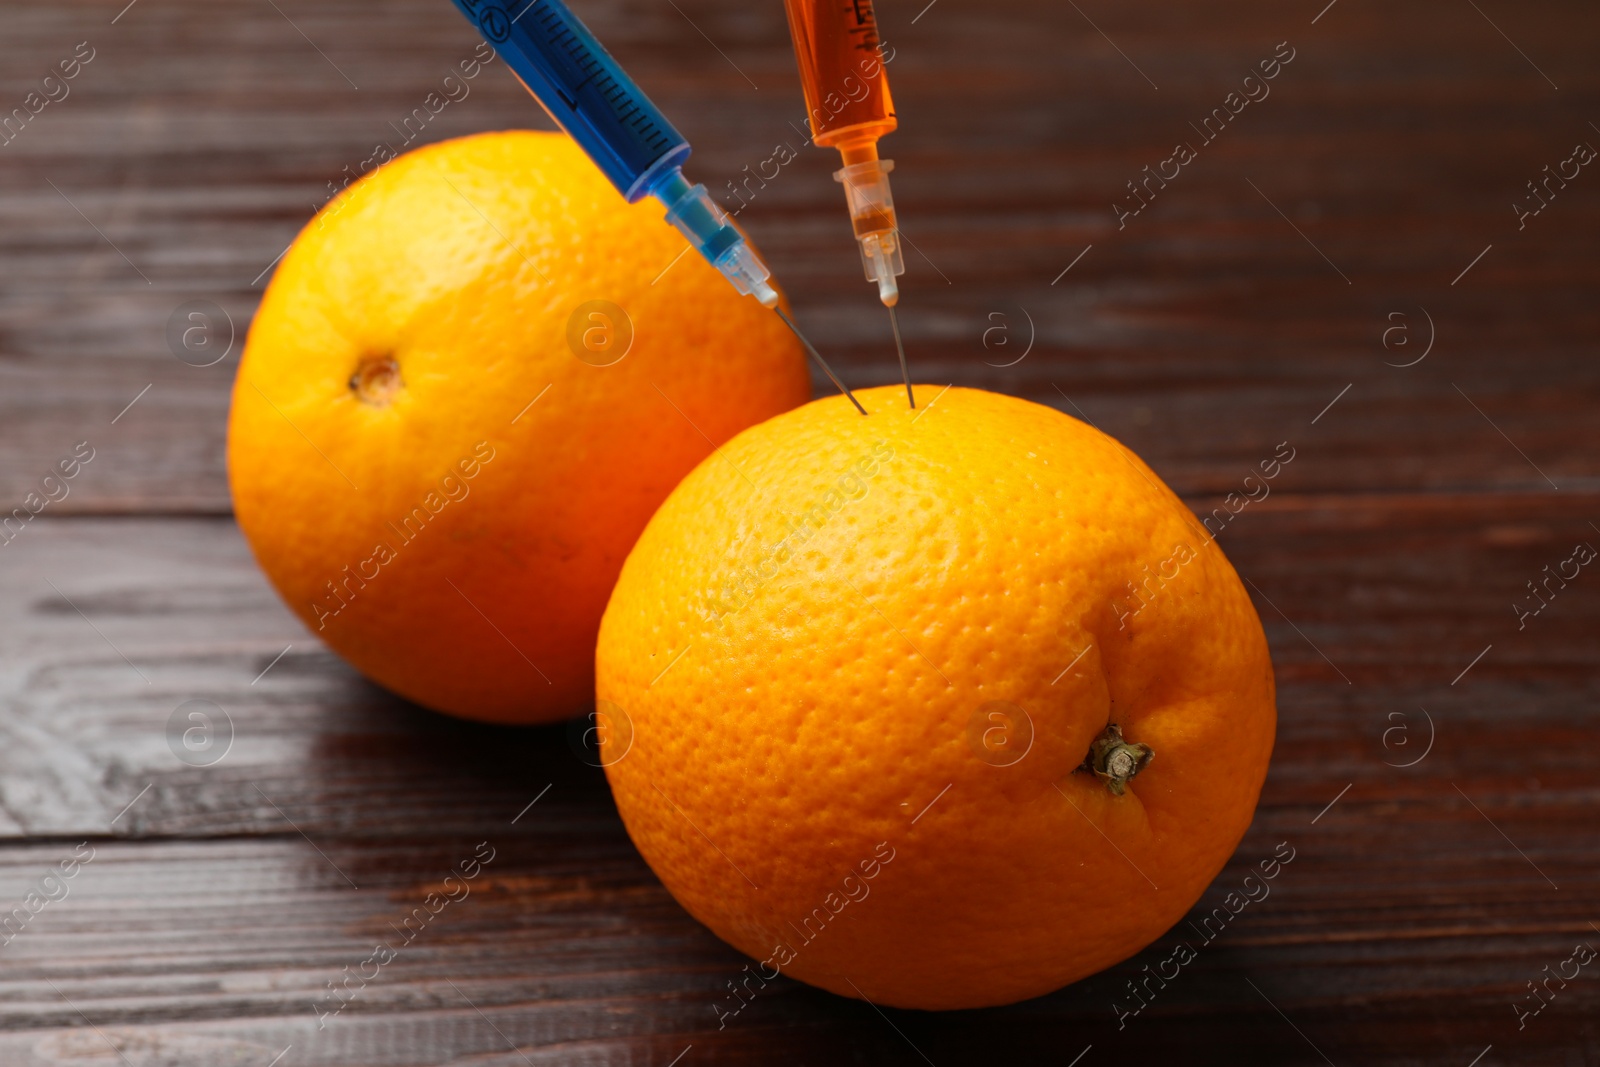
point(590, 97)
point(848, 105)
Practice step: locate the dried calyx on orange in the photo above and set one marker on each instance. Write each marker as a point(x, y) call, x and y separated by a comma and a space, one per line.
point(472, 379)
point(940, 708)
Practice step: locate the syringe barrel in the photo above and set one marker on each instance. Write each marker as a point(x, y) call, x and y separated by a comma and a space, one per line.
point(584, 90)
point(841, 61)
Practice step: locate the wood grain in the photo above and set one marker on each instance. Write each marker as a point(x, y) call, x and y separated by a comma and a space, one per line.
point(230, 895)
point(1203, 330)
point(1247, 305)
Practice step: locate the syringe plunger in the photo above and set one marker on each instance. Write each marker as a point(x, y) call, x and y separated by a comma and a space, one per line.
point(866, 190)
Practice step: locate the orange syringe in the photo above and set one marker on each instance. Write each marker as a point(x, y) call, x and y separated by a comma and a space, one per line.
point(848, 105)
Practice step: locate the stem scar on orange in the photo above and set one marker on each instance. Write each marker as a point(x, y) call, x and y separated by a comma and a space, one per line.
point(943, 707)
point(471, 381)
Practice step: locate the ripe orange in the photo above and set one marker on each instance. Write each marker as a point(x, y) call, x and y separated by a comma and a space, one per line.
point(865, 661)
point(471, 381)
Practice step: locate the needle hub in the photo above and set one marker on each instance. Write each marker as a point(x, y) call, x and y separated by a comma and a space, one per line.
point(866, 190)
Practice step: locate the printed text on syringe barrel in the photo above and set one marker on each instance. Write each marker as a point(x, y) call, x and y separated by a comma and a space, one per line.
point(583, 89)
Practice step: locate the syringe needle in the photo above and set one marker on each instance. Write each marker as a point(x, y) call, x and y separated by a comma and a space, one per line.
point(894, 321)
point(820, 361)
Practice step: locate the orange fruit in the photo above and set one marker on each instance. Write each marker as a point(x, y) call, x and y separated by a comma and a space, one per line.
point(852, 674)
point(471, 381)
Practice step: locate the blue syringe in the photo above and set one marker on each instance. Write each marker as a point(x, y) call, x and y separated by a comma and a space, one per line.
point(590, 97)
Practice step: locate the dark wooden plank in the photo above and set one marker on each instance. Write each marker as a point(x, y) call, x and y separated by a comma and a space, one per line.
point(221, 899)
point(573, 952)
point(219, 904)
point(1396, 141)
point(122, 621)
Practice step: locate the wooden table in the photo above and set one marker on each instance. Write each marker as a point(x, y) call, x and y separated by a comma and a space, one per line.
point(1341, 268)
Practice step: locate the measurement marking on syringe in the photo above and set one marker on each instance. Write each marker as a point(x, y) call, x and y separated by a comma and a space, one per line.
point(565, 45)
point(560, 62)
